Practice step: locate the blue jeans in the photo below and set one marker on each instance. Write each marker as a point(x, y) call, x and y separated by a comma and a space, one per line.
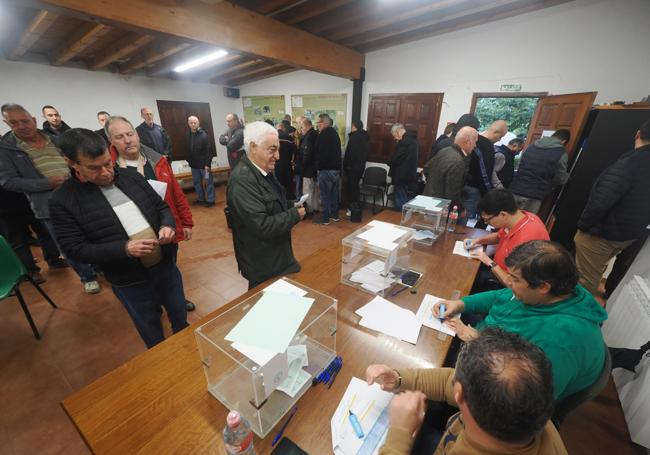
point(85, 271)
point(401, 196)
point(198, 177)
point(144, 301)
point(328, 184)
point(471, 196)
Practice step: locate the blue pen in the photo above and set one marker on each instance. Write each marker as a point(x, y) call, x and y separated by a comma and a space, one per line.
point(468, 243)
point(442, 311)
point(355, 424)
point(279, 435)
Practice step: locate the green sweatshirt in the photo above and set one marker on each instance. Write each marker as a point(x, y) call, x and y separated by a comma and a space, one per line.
point(567, 331)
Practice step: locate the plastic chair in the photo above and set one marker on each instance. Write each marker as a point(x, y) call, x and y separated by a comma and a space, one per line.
point(568, 404)
point(374, 184)
point(12, 273)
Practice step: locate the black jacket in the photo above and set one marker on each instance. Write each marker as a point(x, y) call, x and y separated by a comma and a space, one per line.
point(356, 152)
point(507, 172)
point(475, 176)
point(89, 231)
point(543, 165)
point(283, 170)
point(328, 150)
point(308, 152)
point(146, 139)
point(102, 133)
point(12, 203)
point(261, 224)
point(199, 149)
point(54, 134)
point(233, 140)
point(618, 208)
point(404, 162)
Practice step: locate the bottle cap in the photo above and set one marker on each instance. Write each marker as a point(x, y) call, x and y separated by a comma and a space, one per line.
point(234, 419)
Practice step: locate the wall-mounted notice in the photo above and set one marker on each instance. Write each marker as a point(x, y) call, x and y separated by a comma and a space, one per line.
point(311, 106)
point(263, 108)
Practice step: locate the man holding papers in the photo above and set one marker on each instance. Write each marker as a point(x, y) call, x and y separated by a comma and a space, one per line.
point(260, 218)
point(502, 386)
point(545, 304)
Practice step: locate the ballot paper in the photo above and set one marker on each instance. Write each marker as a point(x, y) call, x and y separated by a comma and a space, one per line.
point(372, 276)
point(382, 235)
point(282, 286)
point(258, 355)
point(296, 376)
point(459, 249)
point(302, 200)
point(383, 316)
point(272, 322)
point(423, 235)
point(160, 187)
point(426, 202)
point(425, 316)
point(274, 373)
point(370, 405)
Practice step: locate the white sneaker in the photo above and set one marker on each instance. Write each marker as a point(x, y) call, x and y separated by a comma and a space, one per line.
point(348, 213)
point(92, 287)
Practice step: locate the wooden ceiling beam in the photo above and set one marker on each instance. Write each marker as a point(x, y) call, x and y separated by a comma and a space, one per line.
point(332, 19)
point(39, 24)
point(85, 37)
point(257, 77)
point(257, 72)
point(256, 63)
point(309, 9)
point(153, 54)
point(227, 26)
point(120, 48)
point(167, 65)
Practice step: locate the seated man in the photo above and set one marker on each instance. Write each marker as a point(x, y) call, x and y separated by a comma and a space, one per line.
point(502, 386)
point(545, 304)
point(117, 220)
point(499, 209)
point(260, 218)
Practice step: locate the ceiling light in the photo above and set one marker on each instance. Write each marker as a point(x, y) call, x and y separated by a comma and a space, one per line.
point(200, 61)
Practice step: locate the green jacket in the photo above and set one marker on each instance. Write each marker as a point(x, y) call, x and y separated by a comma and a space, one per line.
point(567, 331)
point(261, 224)
point(446, 173)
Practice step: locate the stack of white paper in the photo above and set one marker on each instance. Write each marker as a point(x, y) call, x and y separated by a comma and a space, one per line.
point(382, 235)
point(373, 277)
point(367, 403)
point(386, 317)
point(426, 318)
point(426, 202)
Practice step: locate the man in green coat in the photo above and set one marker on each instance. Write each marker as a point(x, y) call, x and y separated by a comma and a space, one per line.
point(545, 304)
point(259, 216)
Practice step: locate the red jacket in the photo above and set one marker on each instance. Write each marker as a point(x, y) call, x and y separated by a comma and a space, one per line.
point(174, 196)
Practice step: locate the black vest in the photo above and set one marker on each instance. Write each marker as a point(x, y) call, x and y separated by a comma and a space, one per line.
point(534, 177)
point(508, 171)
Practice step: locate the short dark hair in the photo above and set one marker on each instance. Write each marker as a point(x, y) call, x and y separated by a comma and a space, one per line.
point(543, 261)
point(326, 117)
point(497, 200)
point(507, 383)
point(270, 122)
point(47, 106)
point(563, 135)
point(644, 131)
point(286, 124)
point(450, 129)
point(516, 141)
point(80, 140)
point(358, 124)
point(103, 113)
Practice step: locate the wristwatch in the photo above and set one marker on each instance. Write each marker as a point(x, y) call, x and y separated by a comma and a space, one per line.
point(492, 264)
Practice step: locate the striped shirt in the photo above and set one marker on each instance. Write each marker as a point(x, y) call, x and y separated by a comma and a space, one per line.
point(48, 161)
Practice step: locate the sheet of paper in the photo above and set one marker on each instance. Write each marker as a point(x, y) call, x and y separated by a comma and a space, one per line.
point(272, 322)
point(258, 355)
point(302, 200)
point(383, 316)
point(367, 403)
point(282, 286)
point(426, 202)
point(423, 234)
point(296, 378)
point(298, 350)
point(459, 249)
point(160, 187)
point(382, 234)
point(273, 373)
point(425, 315)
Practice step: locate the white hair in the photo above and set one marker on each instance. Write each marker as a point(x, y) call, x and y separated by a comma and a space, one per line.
point(255, 132)
point(397, 127)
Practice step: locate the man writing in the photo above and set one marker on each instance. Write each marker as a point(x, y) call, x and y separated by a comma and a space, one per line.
point(116, 220)
point(260, 218)
point(502, 386)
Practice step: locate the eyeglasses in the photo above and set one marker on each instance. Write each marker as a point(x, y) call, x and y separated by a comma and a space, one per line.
point(489, 218)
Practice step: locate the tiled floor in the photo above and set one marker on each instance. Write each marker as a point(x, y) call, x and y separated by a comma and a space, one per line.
point(91, 335)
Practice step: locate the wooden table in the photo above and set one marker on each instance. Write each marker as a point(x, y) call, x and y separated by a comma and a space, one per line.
point(158, 402)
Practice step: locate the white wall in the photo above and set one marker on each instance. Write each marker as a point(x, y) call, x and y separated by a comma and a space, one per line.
point(584, 45)
point(78, 95)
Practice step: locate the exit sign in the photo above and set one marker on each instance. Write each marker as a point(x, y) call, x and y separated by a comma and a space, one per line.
point(511, 87)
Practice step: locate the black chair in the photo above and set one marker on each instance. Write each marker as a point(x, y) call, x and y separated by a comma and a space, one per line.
point(568, 404)
point(374, 184)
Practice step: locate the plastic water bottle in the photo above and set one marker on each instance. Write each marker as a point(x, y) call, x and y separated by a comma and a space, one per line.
point(237, 435)
point(453, 219)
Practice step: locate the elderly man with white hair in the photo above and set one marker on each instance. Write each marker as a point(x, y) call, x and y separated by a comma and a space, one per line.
point(258, 213)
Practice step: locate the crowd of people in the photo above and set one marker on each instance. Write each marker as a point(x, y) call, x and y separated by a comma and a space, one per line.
point(107, 201)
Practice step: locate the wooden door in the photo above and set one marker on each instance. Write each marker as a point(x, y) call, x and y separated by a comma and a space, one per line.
point(561, 112)
point(419, 112)
point(556, 112)
point(173, 117)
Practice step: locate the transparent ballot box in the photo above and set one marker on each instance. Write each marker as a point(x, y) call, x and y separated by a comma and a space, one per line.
point(375, 256)
point(239, 383)
point(428, 216)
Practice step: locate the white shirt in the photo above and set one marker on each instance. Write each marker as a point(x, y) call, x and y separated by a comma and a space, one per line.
point(264, 173)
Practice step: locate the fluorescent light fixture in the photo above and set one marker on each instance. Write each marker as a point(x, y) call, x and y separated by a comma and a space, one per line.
point(200, 61)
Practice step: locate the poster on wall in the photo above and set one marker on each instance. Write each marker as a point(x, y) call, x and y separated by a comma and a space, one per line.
point(264, 108)
point(312, 106)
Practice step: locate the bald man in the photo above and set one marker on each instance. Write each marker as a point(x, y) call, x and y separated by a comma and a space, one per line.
point(154, 136)
point(199, 157)
point(447, 170)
